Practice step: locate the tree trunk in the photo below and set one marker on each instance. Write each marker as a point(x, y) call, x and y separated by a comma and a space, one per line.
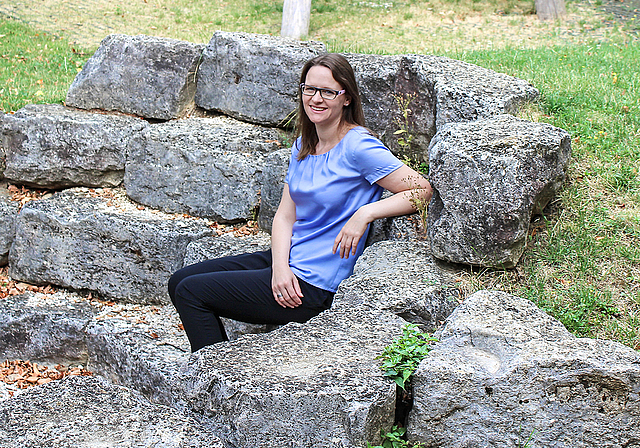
point(550, 9)
point(295, 18)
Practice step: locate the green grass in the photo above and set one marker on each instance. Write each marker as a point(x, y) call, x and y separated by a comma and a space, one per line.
point(35, 67)
point(582, 262)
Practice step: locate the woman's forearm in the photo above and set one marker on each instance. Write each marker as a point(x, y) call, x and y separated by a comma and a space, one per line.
point(401, 203)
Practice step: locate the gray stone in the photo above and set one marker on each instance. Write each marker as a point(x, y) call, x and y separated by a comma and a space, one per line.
point(100, 241)
point(152, 77)
point(504, 371)
point(208, 167)
point(2, 150)
point(44, 328)
point(253, 77)
point(51, 146)
point(138, 346)
point(273, 174)
point(316, 384)
point(489, 178)
point(8, 212)
point(85, 411)
point(403, 278)
point(226, 245)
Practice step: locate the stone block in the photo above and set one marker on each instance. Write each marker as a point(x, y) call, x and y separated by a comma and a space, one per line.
point(208, 167)
point(51, 146)
point(273, 174)
point(86, 411)
point(152, 77)
point(314, 384)
point(253, 77)
point(506, 374)
point(8, 212)
point(489, 178)
point(99, 241)
point(401, 277)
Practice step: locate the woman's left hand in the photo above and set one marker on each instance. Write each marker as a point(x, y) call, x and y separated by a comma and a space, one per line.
point(350, 234)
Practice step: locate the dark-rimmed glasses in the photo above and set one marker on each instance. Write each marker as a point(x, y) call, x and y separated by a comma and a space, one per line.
point(327, 94)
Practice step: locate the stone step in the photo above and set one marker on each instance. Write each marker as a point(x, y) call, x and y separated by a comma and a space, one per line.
point(152, 77)
point(100, 241)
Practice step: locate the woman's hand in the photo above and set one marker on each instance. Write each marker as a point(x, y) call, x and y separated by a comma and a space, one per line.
point(350, 234)
point(285, 287)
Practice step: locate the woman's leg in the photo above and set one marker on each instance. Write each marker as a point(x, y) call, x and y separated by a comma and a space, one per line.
point(237, 292)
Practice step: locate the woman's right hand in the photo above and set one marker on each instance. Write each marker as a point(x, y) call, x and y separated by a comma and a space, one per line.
point(285, 287)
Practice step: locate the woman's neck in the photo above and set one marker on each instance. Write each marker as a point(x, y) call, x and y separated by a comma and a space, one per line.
point(330, 136)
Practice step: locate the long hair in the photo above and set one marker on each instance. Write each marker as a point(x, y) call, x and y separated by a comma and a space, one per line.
point(352, 114)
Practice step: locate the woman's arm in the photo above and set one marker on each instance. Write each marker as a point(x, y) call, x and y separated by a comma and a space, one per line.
point(410, 189)
point(284, 284)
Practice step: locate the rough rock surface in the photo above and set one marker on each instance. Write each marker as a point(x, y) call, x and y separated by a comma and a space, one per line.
point(223, 246)
point(2, 150)
point(403, 278)
point(253, 77)
point(152, 77)
point(315, 384)
point(88, 412)
point(504, 370)
point(52, 146)
point(88, 240)
point(489, 177)
point(209, 167)
point(273, 174)
point(8, 212)
point(44, 328)
point(138, 346)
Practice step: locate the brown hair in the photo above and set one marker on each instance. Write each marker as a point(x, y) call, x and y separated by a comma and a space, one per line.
point(352, 114)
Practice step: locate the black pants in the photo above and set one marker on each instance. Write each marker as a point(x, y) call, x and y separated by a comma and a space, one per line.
point(239, 288)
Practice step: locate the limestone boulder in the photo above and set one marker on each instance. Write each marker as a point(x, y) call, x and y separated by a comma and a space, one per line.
point(44, 327)
point(225, 245)
point(489, 178)
point(99, 241)
point(315, 384)
point(141, 347)
point(253, 77)
point(8, 212)
point(208, 167)
point(52, 146)
point(403, 278)
point(2, 150)
point(506, 374)
point(152, 77)
point(86, 411)
point(273, 174)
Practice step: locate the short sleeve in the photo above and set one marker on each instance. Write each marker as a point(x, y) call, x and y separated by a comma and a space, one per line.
point(372, 158)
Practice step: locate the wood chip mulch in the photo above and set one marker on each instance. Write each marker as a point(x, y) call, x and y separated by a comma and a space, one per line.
point(23, 374)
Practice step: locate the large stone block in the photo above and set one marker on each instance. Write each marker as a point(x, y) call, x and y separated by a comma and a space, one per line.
point(273, 174)
point(8, 212)
point(44, 328)
point(2, 150)
point(489, 177)
point(303, 385)
point(504, 372)
point(209, 167)
point(152, 77)
point(85, 411)
point(253, 77)
point(403, 278)
point(138, 346)
point(101, 242)
point(51, 146)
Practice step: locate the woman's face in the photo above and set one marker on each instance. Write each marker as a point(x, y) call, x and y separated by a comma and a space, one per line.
point(323, 112)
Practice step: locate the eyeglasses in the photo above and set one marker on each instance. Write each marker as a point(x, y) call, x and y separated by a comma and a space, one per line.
point(327, 94)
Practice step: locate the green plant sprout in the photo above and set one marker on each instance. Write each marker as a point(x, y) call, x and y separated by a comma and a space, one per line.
point(405, 137)
point(401, 358)
point(395, 439)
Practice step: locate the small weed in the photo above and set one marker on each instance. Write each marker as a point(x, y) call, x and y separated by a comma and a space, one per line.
point(401, 358)
point(404, 133)
point(395, 439)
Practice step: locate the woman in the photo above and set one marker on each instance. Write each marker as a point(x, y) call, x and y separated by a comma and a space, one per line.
point(331, 194)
